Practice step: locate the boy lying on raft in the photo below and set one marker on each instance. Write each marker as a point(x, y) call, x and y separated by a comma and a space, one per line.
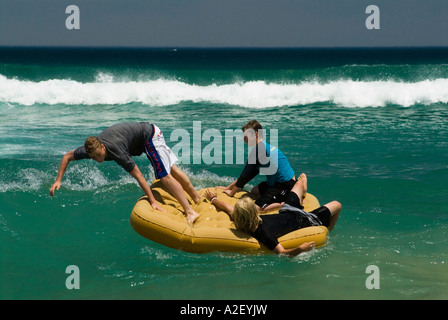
point(268, 228)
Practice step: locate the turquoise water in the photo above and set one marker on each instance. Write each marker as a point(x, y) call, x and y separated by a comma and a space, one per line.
point(369, 127)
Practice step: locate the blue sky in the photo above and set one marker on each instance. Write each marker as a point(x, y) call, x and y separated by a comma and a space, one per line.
point(224, 23)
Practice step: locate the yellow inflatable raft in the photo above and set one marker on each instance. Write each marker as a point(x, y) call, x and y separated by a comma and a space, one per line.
point(213, 230)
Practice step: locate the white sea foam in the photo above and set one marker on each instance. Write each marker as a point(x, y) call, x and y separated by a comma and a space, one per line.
point(87, 176)
point(251, 94)
point(28, 179)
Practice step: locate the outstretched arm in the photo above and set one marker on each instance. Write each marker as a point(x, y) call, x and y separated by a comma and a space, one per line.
point(231, 192)
point(231, 189)
point(66, 159)
point(227, 208)
point(136, 173)
point(307, 246)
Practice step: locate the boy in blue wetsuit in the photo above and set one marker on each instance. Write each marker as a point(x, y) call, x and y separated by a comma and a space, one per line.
point(280, 177)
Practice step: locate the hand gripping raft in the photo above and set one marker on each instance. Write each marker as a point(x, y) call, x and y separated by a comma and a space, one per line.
point(213, 230)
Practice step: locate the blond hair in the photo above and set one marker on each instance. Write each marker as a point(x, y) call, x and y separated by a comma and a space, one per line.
point(91, 145)
point(245, 215)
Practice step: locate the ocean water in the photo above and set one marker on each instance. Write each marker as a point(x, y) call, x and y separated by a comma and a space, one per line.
point(368, 126)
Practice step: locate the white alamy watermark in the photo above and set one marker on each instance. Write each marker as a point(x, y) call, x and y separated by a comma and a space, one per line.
point(373, 280)
point(211, 146)
point(73, 21)
point(373, 20)
point(73, 281)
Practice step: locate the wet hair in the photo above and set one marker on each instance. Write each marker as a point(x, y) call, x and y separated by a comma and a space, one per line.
point(252, 124)
point(245, 215)
point(255, 126)
point(91, 145)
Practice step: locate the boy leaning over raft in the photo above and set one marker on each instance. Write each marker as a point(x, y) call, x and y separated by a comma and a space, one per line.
point(122, 141)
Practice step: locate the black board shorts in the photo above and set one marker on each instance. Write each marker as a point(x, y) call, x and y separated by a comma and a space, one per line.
point(273, 194)
point(323, 213)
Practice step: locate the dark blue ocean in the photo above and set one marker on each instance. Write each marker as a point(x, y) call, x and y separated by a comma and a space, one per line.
point(368, 126)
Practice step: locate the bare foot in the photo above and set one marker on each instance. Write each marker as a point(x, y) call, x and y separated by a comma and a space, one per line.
point(192, 217)
point(304, 179)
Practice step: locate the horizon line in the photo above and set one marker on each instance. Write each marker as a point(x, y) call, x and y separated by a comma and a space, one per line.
point(216, 47)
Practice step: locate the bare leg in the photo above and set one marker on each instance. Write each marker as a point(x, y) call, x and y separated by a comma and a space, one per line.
point(305, 185)
point(184, 181)
point(178, 192)
point(300, 187)
point(335, 209)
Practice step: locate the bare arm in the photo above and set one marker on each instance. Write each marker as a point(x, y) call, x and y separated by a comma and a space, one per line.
point(66, 159)
point(219, 203)
point(231, 189)
point(136, 173)
point(307, 246)
point(224, 206)
point(271, 207)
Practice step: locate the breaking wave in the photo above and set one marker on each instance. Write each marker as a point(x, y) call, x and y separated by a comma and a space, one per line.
point(251, 94)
